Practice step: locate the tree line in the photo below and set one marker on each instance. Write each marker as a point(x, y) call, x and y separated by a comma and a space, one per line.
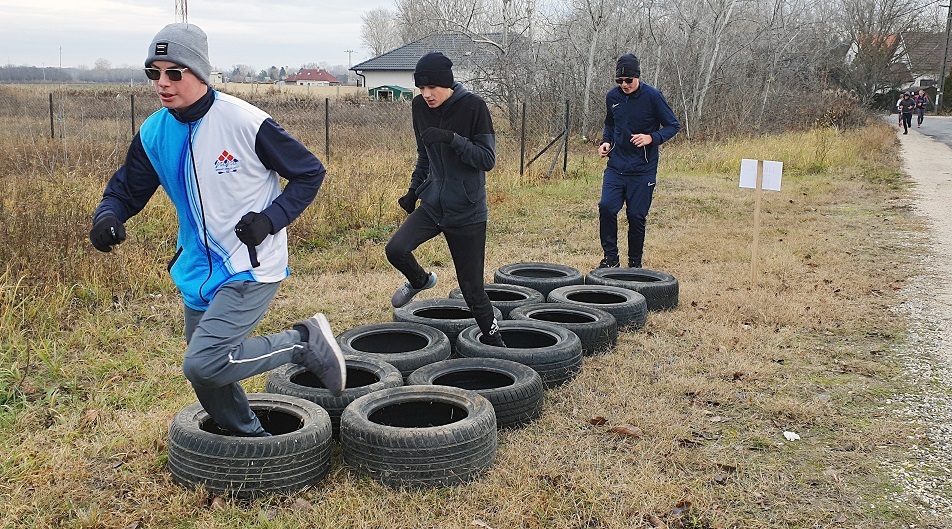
point(752, 65)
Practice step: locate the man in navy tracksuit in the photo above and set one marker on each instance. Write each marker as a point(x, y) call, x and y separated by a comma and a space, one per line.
point(456, 145)
point(218, 159)
point(637, 120)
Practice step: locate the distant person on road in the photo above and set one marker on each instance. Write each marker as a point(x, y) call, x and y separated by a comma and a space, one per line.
point(218, 159)
point(637, 121)
point(456, 145)
point(922, 100)
point(899, 111)
point(907, 106)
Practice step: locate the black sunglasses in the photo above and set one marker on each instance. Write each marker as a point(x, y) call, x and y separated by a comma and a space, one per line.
point(623, 80)
point(175, 74)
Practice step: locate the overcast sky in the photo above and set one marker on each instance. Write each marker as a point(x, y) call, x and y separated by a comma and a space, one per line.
point(260, 33)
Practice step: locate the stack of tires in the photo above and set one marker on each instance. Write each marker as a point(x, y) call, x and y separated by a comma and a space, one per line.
point(425, 396)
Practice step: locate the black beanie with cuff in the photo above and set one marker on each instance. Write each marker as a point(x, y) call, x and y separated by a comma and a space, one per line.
point(434, 69)
point(628, 66)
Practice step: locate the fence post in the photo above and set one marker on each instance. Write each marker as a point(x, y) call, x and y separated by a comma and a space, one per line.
point(327, 130)
point(52, 130)
point(522, 142)
point(132, 112)
point(565, 154)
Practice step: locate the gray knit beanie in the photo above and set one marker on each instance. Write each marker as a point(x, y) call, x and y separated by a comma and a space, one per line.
point(183, 44)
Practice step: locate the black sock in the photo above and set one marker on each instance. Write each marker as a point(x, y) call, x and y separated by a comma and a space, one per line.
point(302, 330)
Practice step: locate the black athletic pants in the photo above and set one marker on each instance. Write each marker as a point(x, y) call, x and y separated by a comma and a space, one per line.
point(468, 248)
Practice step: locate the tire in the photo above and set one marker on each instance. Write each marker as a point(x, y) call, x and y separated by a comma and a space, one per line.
point(365, 374)
point(543, 277)
point(627, 306)
point(515, 390)
point(404, 345)
point(297, 456)
point(659, 289)
point(595, 328)
point(448, 315)
point(506, 297)
point(419, 436)
point(551, 350)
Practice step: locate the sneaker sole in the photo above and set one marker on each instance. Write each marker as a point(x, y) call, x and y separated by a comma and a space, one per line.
point(328, 334)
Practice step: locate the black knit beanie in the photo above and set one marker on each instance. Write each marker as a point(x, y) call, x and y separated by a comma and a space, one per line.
point(628, 66)
point(434, 69)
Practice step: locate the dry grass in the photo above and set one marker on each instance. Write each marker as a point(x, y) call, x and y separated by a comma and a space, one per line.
point(89, 356)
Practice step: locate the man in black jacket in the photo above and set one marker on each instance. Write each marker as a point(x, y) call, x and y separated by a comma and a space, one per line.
point(456, 145)
point(907, 105)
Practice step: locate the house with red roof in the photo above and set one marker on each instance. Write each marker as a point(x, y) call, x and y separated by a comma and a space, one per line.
point(312, 77)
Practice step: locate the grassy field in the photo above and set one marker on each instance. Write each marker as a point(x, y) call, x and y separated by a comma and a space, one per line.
point(91, 344)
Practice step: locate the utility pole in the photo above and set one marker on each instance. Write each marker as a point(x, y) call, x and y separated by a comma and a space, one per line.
point(348, 52)
point(945, 57)
point(181, 11)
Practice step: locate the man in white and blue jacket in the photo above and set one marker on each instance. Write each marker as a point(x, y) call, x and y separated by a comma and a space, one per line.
point(218, 159)
point(637, 121)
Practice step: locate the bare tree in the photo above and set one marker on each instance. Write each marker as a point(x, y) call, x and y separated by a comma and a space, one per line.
point(731, 64)
point(872, 29)
point(585, 28)
point(379, 33)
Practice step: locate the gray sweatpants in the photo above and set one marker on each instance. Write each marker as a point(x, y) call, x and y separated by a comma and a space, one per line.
point(220, 353)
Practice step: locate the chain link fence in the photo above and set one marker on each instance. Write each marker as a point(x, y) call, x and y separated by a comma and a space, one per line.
point(60, 144)
point(339, 130)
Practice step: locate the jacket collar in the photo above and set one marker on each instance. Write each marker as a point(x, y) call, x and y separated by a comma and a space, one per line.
point(197, 110)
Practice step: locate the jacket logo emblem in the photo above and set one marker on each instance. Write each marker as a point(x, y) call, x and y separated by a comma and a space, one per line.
point(615, 105)
point(226, 163)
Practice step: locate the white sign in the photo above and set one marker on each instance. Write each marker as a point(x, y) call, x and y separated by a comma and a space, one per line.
point(772, 174)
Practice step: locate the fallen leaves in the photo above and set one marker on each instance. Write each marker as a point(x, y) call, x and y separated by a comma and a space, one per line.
point(681, 508)
point(89, 418)
point(624, 430)
point(627, 430)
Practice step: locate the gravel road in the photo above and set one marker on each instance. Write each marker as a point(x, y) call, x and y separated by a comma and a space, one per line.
point(926, 477)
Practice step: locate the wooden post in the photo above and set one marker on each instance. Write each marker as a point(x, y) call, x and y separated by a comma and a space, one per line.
point(52, 130)
point(756, 246)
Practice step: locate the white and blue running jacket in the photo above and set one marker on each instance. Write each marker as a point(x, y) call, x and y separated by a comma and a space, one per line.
point(217, 160)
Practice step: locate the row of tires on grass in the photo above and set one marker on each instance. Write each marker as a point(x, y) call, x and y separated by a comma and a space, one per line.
point(424, 396)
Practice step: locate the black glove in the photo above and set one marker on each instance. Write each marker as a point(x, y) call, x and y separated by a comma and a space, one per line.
point(434, 135)
point(253, 228)
point(106, 233)
point(408, 201)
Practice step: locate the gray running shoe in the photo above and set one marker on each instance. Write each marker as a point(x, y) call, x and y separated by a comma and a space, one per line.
point(406, 293)
point(323, 356)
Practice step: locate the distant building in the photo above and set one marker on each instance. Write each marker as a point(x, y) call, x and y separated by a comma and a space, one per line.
point(391, 93)
point(395, 68)
point(215, 78)
point(921, 52)
point(311, 77)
